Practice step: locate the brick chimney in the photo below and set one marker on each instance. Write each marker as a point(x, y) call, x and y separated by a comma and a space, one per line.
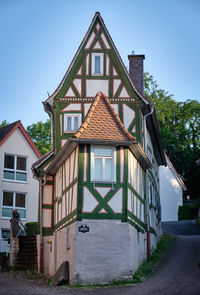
point(136, 70)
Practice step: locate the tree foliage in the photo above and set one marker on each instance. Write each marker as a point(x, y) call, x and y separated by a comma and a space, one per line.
point(41, 135)
point(179, 124)
point(3, 123)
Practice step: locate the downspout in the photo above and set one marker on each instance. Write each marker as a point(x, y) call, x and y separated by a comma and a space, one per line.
point(146, 188)
point(41, 184)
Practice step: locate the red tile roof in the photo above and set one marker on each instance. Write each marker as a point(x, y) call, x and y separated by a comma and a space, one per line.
point(7, 130)
point(103, 123)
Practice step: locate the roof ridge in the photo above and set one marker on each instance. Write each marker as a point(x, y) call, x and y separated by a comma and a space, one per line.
point(97, 15)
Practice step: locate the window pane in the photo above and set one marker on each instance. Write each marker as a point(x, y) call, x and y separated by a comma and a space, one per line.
point(9, 162)
point(20, 200)
point(5, 233)
point(8, 175)
point(97, 169)
point(97, 64)
point(21, 176)
point(108, 169)
point(22, 213)
point(69, 123)
point(7, 212)
point(7, 199)
point(75, 123)
point(21, 163)
point(103, 152)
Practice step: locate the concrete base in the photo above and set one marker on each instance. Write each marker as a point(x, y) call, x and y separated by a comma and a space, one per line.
point(110, 250)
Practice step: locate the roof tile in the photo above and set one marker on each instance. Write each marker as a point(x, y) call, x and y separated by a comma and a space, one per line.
point(103, 123)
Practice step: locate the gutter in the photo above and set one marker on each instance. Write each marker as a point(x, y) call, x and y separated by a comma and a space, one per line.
point(146, 187)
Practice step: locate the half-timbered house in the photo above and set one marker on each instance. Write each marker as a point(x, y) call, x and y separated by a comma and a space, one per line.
point(99, 185)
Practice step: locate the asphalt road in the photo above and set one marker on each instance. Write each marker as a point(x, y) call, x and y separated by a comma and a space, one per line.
point(178, 272)
point(185, 227)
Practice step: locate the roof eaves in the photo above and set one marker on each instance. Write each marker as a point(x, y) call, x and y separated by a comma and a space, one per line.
point(122, 63)
point(50, 98)
point(10, 131)
point(140, 155)
point(40, 161)
point(174, 171)
point(97, 14)
point(19, 125)
point(59, 159)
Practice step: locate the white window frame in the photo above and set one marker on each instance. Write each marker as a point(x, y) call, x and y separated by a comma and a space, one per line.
point(15, 170)
point(93, 156)
point(101, 55)
point(14, 206)
point(72, 116)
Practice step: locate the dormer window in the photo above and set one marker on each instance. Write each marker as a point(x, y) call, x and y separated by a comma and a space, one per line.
point(71, 122)
point(97, 64)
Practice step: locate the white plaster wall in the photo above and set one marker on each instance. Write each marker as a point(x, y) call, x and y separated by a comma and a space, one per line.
point(94, 86)
point(170, 195)
point(17, 144)
point(55, 251)
point(111, 250)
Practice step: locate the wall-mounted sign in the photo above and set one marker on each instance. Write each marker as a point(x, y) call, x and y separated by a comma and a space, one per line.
point(83, 228)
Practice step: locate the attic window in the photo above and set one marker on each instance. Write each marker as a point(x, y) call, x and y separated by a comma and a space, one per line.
point(97, 64)
point(71, 122)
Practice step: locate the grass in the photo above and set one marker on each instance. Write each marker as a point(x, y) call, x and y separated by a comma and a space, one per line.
point(198, 221)
point(147, 267)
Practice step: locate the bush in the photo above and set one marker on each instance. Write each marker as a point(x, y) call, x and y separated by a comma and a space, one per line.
point(187, 212)
point(32, 228)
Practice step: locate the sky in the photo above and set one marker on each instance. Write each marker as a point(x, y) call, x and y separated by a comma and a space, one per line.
point(39, 38)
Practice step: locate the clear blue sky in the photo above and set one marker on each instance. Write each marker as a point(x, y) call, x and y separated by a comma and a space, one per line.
point(38, 39)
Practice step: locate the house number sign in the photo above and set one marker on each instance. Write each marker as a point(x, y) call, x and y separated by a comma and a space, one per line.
point(83, 228)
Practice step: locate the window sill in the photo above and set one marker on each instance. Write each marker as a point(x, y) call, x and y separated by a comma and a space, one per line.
point(104, 181)
point(70, 131)
point(97, 74)
point(15, 181)
point(8, 218)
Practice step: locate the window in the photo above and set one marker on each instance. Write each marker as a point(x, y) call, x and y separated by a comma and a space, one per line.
point(15, 168)
point(5, 234)
point(97, 64)
point(11, 201)
point(103, 164)
point(72, 122)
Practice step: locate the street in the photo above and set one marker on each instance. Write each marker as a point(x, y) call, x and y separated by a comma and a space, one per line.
point(177, 273)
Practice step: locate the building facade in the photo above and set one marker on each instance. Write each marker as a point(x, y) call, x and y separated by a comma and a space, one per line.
point(171, 191)
point(100, 205)
point(17, 187)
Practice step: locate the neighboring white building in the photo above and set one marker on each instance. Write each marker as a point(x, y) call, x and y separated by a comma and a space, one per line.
point(18, 189)
point(171, 192)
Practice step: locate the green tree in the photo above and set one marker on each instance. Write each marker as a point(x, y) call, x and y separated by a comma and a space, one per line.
point(41, 135)
point(179, 124)
point(3, 123)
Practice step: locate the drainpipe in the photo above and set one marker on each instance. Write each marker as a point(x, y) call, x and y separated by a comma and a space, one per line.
point(41, 184)
point(146, 188)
